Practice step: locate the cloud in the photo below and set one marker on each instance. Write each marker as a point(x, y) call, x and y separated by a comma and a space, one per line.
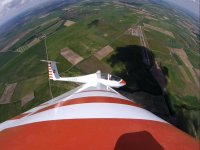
point(192, 1)
point(13, 4)
point(4, 2)
point(190, 5)
point(10, 8)
point(8, 4)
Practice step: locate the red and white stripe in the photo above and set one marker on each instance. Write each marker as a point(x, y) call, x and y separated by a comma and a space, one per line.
point(91, 117)
point(50, 71)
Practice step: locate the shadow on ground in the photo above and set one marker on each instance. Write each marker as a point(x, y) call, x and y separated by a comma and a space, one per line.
point(137, 72)
point(146, 85)
point(145, 80)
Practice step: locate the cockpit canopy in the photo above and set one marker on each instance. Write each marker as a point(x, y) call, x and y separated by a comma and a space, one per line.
point(108, 76)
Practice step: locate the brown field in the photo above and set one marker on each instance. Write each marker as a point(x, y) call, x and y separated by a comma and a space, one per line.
point(150, 18)
point(168, 33)
point(43, 16)
point(33, 42)
point(183, 56)
point(117, 3)
point(164, 18)
point(27, 98)
point(71, 56)
point(104, 52)
point(184, 74)
point(197, 72)
point(92, 64)
point(145, 13)
point(7, 94)
point(51, 20)
point(69, 23)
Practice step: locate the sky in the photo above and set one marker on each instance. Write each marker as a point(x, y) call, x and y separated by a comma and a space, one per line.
point(11, 8)
point(191, 5)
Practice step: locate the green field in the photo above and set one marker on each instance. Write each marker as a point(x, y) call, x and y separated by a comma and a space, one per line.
point(6, 57)
point(2, 87)
point(24, 66)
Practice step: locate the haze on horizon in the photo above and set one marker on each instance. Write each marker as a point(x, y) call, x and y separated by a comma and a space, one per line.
point(11, 8)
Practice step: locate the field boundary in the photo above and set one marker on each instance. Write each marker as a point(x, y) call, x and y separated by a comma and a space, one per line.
point(69, 23)
point(27, 98)
point(183, 56)
point(104, 52)
point(166, 32)
point(70, 56)
point(7, 94)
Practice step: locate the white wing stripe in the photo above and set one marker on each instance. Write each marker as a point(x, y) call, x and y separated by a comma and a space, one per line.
point(86, 111)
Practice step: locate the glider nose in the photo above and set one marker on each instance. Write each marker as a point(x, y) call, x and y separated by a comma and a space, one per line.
point(122, 82)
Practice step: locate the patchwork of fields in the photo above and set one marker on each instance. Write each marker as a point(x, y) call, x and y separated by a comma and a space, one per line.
point(131, 41)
